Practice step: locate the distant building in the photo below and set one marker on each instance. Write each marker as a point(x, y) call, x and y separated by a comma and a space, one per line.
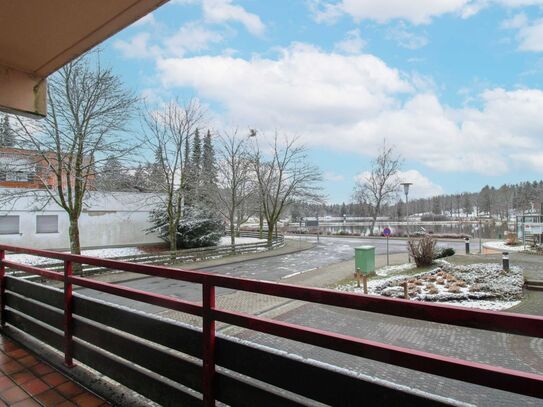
point(530, 228)
point(20, 168)
point(108, 219)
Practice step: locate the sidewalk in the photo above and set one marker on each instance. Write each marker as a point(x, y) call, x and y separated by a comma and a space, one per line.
point(26, 381)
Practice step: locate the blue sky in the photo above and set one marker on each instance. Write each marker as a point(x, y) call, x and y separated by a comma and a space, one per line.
point(454, 85)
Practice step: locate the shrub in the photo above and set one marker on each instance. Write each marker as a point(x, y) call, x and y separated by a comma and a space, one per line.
point(475, 287)
point(444, 252)
point(198, 227)
point(512, 239)
point(422, 250)
point(454, 289)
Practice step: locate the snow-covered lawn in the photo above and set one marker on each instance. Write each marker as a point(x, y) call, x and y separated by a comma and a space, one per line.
point(388, 270)
point(502, 247)
point(101, 253)
point(115, 252)
point(225, 240)
point(484, 286)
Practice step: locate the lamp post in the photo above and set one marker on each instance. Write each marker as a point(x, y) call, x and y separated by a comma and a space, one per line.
point(406, 186)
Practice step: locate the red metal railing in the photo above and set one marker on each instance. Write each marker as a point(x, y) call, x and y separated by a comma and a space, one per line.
point(473, 372)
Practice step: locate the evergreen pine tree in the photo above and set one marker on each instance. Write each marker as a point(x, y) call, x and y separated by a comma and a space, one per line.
point(186, 169)
point(197, 228)
point(7, 135)
point(113, 176)
point(209, 171)
point(194, 170)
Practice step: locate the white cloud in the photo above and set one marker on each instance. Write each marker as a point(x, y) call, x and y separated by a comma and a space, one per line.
point(223, 11)
point(382, 11)
point(303, 84)
point(405, 38)
point(530, 160)
point(333, 177)
point(300, 92)
point(416, 12)
point(517, 21)
point(352, 43)
point(531, 37)
point(137, 47)
point(422, 186)
point(191, 37)
point(148, 19)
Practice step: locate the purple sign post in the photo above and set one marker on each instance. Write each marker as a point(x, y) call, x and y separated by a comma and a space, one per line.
point(387, 232)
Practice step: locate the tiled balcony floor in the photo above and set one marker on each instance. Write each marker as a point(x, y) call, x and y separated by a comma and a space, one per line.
point(25, 381)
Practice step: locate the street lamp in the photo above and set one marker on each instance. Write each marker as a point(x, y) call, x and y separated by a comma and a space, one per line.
point(406, 186)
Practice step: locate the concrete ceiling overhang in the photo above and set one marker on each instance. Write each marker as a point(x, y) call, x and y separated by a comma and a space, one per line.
point(37, 37)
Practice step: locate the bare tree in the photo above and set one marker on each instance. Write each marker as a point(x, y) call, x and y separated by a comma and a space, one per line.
point(379, 186)
point(284, 175)
point(166, 133)
point(88, 111)
point(234, 193)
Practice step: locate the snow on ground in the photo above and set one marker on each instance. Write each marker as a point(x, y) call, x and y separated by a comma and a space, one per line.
point(483, 286)
point(388, 270)
point(101, 253)
point(225, 240)
point(107, 253)
point(502, 247)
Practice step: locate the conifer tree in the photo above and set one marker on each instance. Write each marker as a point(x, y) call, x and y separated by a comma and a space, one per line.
point(7, 135)
point(208, 171)
point(195, 165)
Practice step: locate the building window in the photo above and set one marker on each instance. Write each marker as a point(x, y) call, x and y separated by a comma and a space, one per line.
point(17, 176)
point(47, 224)
point(9, 225)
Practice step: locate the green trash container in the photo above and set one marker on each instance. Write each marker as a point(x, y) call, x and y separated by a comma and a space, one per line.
point(364, 259)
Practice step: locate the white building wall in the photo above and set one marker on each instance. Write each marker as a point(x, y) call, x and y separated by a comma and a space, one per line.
point(108, 219)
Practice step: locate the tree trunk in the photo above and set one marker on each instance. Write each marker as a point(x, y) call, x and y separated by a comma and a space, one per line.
point(373, 221)
point(232, 230)
point(260, 225)
point(270, 233)
point(172, 231)
point(75, 245)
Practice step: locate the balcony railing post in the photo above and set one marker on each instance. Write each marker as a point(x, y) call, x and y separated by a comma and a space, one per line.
point(68, 318)
point(2, 289)
point(208, 294)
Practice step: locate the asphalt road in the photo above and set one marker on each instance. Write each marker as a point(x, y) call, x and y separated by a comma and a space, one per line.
point(328, 251)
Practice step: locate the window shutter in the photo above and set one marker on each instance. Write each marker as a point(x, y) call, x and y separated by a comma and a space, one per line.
point(9, 225)
point(47, 224)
